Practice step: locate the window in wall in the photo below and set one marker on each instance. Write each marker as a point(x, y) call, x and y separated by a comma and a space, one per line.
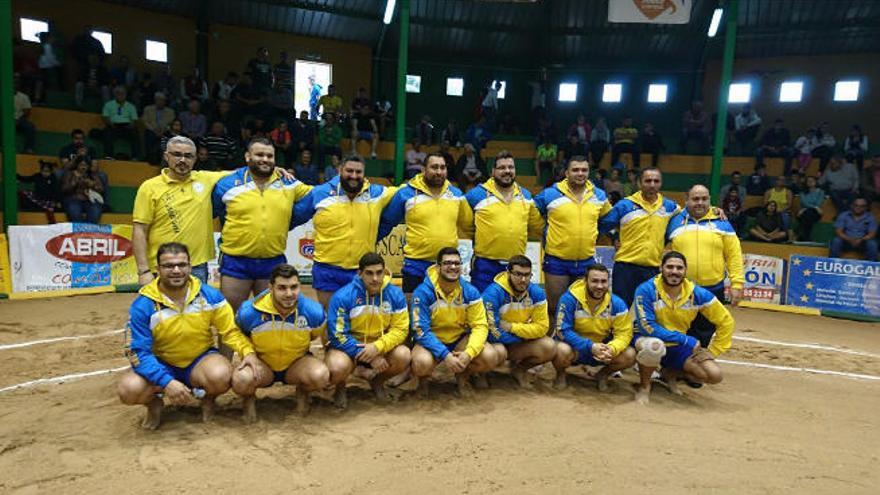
point(310, 83)
point(454, 86)
point(503, 91)
point(657, 93)
point(413, 83)
point(739, 93)
point(568, 91)
point(791, 91)
point(106, 40)
point(612, 92)
point(846, 91)
point(31, 29)
point(157, 51)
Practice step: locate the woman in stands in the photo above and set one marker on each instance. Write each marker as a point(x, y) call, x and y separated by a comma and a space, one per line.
point(768, 225)
point(811, 209)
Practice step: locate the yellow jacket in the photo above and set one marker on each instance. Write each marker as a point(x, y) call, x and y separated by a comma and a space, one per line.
point(526, 314)
point(580, 328)
point(642, 228)
point(710, 246)
point(572, 225)
point(502, 228)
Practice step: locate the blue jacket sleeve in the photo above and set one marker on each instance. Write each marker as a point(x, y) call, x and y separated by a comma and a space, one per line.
point(493, 299)
point(646, 320)
point(217, 205)
point(541, 203)
point(303, 210)
point(339, 331)
point(421, 322)
point(393, 214)
point(611, 220)
point(143, 361)
point(567, 307)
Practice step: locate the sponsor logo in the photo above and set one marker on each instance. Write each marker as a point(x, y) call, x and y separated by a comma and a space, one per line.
point(89, 247)
point(198, 187)
point(307, 248)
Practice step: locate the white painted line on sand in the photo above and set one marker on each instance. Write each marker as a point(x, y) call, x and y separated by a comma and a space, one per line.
point(805, 346)
point(61, 379)
point(856, 376)
point(58, 339)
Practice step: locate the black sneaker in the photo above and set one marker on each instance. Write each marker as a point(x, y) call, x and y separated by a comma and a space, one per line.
point(693, 384)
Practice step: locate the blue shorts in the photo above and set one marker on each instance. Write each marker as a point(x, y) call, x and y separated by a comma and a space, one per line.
point(676, 356)
point(626, 278)
point(366, 135)
point(570, 268)
point(452, 345)
point(201, 272)
point(244, 268)
point(484, 271)
point(182, 374)
point(414, 273)
point(330, 278)
point(278, 376)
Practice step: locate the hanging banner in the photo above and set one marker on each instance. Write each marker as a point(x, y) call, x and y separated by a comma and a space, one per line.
point(763, 276)
point(5, 274)
point(835, 284)
point(650, 11)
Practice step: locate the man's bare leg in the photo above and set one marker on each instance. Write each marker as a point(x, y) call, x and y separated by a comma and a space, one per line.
point(526, 355)
point(622, 361)
point(245, 384)
point(324, 297)
point(484, 362)
point(340, 366)
point(702, 369)
point(671, 377)
point(561, 361)
point(308, 373)
point(213, 374)
point(422, 366)
point(555, 286)
point(643, 390)
point(133, 389)
point(398, 362)
point(236, 291)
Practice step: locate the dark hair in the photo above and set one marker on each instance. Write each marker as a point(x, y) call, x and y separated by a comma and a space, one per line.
point(353, 158)
point(576, 158)
point(673, 254)
point(519, 260)
point(649, 169)
point(171, 248)
point(433, 154)
point(259, 140)
point(76, 132)
point(736, 172)
point(596, 267)
point(447, 251)
point(283, 270)
point(503, 154)
point(370, 259)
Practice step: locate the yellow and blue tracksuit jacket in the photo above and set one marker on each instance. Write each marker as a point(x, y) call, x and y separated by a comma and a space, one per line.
point(710, 246)
point(255, 223)
point(642, 228)
point(279, 340)
point(527, 314)
point(439, 319)
point(572, 226)
point(345, 229)
point(161, 331)
point(359, 318)
point(432, 222)
point(656, 315)
point(502, 228)
point(580, 328)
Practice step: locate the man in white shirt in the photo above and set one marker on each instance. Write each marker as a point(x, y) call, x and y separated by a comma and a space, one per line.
point(746, 127)
point(21, 106)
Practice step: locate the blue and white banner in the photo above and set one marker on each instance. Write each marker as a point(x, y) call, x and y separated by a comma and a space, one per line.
point(834, 284)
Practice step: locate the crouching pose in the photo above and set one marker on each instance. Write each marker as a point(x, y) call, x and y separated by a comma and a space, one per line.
point(281, 324)
point(594, 329)
point(518, 322)
point(665, 307)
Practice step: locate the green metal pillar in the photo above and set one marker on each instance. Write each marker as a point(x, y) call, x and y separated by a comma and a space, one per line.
point(731, 13)
point(7, 119)
point(400, 111)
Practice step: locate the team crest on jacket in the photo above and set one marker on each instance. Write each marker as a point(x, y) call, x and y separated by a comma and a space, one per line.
point(301, 322)
point(386, 306)
point(198, 187)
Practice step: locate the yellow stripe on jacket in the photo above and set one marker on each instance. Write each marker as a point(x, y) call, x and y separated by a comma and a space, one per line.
point(711, 247)
point(502, 227)
point(572, 224)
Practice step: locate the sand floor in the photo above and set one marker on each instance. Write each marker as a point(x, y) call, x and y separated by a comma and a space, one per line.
point(761, 431)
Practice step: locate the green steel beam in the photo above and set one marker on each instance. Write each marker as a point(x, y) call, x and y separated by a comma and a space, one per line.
point(731, 13)
point(7, 120)
point(400, 111)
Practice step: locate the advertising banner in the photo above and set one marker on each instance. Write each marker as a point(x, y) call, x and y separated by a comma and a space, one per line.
point(5, 274)
point(764, 281)
point(650, 11)
point(851, 286)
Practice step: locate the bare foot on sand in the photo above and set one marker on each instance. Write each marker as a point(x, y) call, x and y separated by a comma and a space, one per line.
point(642, 395)
point(400, 379)
point(521, 376)
point(464, 389)
point(379, 391)
point(154, 414)
point(340, 397)
point(481, 382)
point(303, 402)
point(249, 409)
point(207, 409)
point(561, 382)
point(422, 389)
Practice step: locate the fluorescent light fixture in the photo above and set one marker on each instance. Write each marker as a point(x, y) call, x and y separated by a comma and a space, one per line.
point(716, 21)
point(846, 91)
point(657, 93)
point(389, 11)
point(612, 92)
point(503, 90)
point(568, 91)
point(157, 51)
point(791, 91)
point(739, 93)
point(31, 29)
point(106, 40)
point(413, 84)
point(454, 86)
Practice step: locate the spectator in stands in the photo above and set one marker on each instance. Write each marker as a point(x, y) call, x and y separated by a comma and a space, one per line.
point(735, 183)
point(166, 83)
point(221, 148)
point(248, 98)
point(194, 87)
point(841, 181)
point(599, 139)
point(282, 141)
point(361, 100)
point(631, 186)
point(260, 69)
point(94, 78)
point(81, 192)
point(746, 126)
point(784, 199)
point(195, 124)
point(625, 141)
point(101, 176)
point(382, 112)
point(314, 97)
point(120, 117)
point(776, 142)
point(415, 158)
point(21, 109)
point(229, 119)
point(546, 158)
point(306, 171)
point(143, 94)
point(448, 158)
point(284, 73)
point(803, 148)
point(544, 128)
point(303, 132)
point(797, 182)
point(598, 179)
point(281, 104)
point(175, 129)
point(856, 230)
point(824, 148)
point(758, 182)
point(330, 171)
point(732, 206)
point(224, 87)
point(811, 200)
point(425, 131)
point(613, 185)
point(204, 160)
point(478, 134)
point(855, 147)
point(695, 127)
point(156, 119)
point(88, 52)
point(122, 74)
point(329, 142)
point(574, 147)
point(768, 225)
point(451, 134)
point(869, 180)
point(581, 130)
point(49, 62)
point(651, 142)
point(363, 126)
point(46, 195)
point(490, 104)
point(470, 168)
point(331, 102)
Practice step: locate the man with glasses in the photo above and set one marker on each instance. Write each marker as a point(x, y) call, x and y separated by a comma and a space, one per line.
point(856, 230)
point(516, 310)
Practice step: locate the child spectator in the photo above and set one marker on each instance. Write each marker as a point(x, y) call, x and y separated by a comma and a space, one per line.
point(46, 195)
point(282, 140)
point(804, 148)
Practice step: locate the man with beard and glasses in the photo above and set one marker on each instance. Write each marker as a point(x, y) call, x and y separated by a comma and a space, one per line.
point(665, 307)
point(572, 208)
point(594, 328)
point(255, 207)
point(435, 212)
point(345, 213)
point(504, 217)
